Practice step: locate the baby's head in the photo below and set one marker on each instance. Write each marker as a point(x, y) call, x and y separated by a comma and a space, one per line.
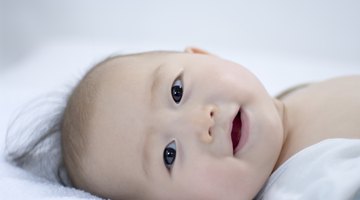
point(171, 125)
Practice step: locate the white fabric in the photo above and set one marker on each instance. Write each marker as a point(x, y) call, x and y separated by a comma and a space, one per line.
point(16, 183)
point(328, 170)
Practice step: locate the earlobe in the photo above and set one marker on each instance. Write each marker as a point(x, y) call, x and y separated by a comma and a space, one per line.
point(196, 50)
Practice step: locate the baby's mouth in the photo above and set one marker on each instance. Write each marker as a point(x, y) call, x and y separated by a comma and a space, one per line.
point(236, 131)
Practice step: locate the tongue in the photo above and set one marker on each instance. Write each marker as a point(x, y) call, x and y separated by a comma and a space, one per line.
point(235, 133)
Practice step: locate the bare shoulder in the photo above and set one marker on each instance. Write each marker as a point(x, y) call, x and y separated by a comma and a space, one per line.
point(327, 106)
point(337, 84)
point(323, 110)
point(344, 81)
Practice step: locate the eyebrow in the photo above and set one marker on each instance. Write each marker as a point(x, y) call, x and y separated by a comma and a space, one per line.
point(155, 82)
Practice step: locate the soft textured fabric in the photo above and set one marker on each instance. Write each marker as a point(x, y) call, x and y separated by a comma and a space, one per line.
point(328, 170)
point(16, 183)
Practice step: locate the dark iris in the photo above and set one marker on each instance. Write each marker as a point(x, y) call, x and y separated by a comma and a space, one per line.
point(169, 156)
point(177, 92)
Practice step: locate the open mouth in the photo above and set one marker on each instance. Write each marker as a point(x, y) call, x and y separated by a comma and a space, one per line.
point(236, 131)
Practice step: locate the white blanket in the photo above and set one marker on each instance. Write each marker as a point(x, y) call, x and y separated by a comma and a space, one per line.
point(328, 170)
point(15, 183)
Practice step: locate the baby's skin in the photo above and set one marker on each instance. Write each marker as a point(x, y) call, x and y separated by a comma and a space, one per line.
point(190, 125)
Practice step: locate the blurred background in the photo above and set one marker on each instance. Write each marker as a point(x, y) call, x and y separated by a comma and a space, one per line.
point(45, 44)
point(317, 28)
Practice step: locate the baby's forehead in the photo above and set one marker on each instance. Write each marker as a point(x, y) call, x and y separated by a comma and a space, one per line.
point(121, 83)
point(122, 66)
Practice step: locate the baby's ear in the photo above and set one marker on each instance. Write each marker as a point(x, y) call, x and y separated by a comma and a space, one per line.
point(197, 51)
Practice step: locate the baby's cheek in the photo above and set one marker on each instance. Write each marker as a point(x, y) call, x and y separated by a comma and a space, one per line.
point(217, 180)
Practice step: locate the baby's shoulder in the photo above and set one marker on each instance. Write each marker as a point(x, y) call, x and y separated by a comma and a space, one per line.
point(333, 86)
point(335, 92)
point(327, 102)
point(323, 110)
point(343, 82)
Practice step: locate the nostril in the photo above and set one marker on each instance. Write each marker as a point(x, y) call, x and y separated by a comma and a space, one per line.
point(209, 132)
point(211, 113)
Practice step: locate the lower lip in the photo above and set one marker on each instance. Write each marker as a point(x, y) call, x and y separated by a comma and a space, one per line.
point(244, 131)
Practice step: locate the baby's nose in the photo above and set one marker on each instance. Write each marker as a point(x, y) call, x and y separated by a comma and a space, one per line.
point(206, 132)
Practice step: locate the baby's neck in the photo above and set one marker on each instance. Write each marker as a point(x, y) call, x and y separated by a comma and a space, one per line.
point(281, 108)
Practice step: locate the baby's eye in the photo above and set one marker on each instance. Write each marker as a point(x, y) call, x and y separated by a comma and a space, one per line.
point(169, 155)
point(177, 90)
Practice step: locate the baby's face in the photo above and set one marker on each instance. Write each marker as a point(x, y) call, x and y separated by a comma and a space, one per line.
point(181, 126)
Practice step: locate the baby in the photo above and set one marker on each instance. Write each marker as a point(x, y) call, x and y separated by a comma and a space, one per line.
point(190, 125)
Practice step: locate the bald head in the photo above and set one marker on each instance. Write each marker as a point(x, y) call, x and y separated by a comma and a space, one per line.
point(77, 115)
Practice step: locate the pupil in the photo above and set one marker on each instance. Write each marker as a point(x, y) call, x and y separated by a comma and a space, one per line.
point(170, 156)
point(177, 93)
